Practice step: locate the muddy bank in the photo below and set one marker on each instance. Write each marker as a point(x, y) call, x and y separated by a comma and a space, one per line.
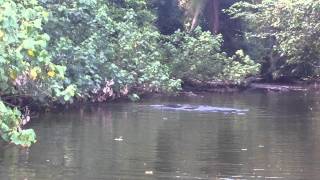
point(191, 88)
point(210, 86)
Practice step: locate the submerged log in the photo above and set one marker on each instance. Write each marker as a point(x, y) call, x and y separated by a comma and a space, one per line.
point(277, 87)
point(191, 85)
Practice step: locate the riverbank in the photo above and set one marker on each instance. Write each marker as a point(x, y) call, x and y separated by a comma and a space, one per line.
point(189, 88)
point(194, 86)
point(197, 89)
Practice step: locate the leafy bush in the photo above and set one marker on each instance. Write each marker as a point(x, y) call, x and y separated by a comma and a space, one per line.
point(26, 69)
point(198, 56)
point(25, 64)
point(109, 48)
point(10, 127)
point(289, 31)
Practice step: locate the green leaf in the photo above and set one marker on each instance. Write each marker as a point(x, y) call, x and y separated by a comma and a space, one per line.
point(28, 44)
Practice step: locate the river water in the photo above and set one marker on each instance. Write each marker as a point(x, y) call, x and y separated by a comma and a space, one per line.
point(277, 138)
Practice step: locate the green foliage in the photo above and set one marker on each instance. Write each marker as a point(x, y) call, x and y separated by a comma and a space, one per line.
point(26, 69)
point(25, 64)
point(199, 56)
point(239, 67)
point(10, 127)
point(55, 50)
point(288, 31)
point(109, 48)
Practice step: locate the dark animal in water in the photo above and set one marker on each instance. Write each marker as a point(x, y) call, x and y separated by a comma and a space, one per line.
point(199, 108)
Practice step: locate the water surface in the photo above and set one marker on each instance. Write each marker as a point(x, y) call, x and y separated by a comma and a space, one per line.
point(277, 138)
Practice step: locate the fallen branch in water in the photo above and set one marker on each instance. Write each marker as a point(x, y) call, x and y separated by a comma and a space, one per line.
point(276, 87)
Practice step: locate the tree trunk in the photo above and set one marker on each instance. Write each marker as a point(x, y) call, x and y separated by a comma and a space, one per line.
point(212, 14)
point(195, 18)
point(216, 22)
point(212, 11)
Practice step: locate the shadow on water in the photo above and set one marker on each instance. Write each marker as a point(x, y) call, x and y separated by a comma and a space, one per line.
point(277, 137)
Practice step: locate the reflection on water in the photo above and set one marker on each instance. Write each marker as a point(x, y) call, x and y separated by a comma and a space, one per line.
point(278, 138)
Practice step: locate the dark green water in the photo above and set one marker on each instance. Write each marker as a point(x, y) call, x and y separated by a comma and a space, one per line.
point(278, 138)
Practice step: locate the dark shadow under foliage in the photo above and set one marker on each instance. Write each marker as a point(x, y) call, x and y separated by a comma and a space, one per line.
point(169, 16)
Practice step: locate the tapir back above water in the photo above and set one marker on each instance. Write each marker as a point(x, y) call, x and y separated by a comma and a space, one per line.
point(199, 108)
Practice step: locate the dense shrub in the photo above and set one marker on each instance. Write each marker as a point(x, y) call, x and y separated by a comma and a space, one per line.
point(108, 47)
point(61, 50)
point(288, 32)
point(199, 56)
point(11, 121)
point(26, 69)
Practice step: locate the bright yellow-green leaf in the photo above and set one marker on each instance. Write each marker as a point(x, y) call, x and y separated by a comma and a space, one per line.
point(33, 74)
point(31, 53)
point(51, 73)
